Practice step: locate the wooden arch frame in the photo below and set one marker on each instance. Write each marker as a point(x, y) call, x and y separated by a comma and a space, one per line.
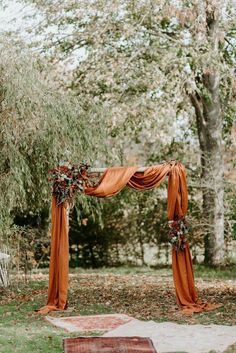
point(69, 179)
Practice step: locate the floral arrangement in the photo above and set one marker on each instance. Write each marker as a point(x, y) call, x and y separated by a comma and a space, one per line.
point(177, 234)
point(67, 179)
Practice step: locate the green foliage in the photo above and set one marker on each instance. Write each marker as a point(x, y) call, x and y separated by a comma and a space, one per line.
point(40, 125)
point(123, 100)
point(124, 60)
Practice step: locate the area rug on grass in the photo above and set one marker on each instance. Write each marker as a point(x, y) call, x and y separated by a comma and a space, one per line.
point(90, 323)
point(108, 345)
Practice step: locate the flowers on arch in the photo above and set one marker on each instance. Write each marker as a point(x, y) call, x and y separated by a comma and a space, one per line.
point(68, 179)
point(177, 234)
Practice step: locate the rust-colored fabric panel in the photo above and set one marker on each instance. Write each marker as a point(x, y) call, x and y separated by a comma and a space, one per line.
point(183, 189)
point(150, 178)
point(186, 294)
point(112, 181)
point(173, 210)
point(59, 260)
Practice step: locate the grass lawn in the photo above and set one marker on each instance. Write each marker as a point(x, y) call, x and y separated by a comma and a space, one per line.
point(141, 292)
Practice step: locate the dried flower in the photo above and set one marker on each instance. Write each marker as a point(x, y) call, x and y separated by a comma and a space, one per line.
point(177, 234)
point(67, 179)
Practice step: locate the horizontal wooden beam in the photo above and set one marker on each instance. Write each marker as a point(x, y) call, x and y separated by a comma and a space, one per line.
point(102, 170)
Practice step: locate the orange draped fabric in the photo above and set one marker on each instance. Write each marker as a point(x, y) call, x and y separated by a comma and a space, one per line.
point(112, 182)
point(59, 259)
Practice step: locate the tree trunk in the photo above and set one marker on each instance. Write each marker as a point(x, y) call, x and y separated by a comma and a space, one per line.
point(209, 125)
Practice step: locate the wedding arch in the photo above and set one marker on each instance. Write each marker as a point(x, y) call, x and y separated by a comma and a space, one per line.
point(70, 179)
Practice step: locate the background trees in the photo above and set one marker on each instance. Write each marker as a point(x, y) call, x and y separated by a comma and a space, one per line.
point(157, 79)
point(40, 125)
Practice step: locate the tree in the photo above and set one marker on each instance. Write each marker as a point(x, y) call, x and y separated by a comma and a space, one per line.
point(209, 116)
point(40, 125)
point(148, 65)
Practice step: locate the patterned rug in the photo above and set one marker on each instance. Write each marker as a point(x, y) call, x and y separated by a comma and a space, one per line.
point(108, 345)
point(95, 323)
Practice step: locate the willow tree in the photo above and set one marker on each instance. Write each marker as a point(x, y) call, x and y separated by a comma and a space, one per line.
point(147, 64)
point(40, 125)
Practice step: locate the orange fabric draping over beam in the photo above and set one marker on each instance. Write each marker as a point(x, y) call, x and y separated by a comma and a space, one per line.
point(112, 182)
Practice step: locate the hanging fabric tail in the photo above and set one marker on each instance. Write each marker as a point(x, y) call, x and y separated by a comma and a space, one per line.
point(59, 259)
point(182, 267)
